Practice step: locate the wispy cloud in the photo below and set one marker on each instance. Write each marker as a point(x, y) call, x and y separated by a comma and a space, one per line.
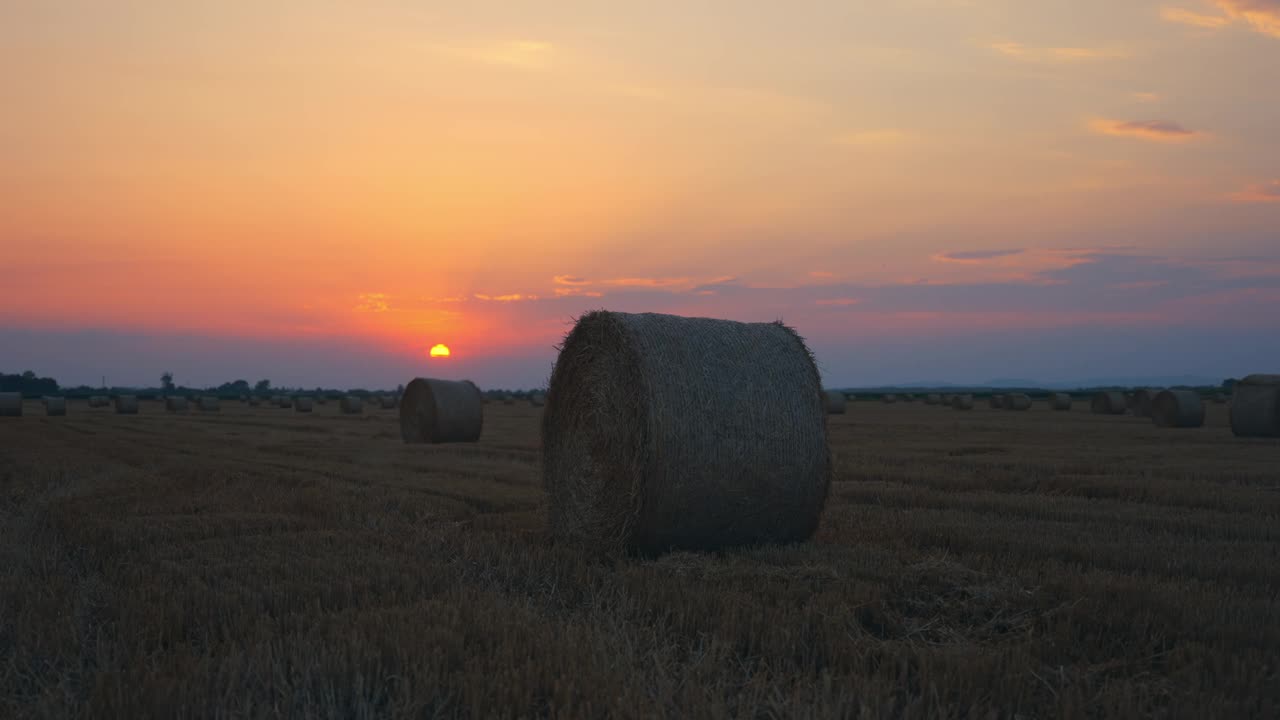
point(973, 256)
point(1264, 192)
point(1152, 130)
point(1146, 97)
point(570, 280)
point(577, 292)
point(1182, 16)
point(513, 297)
point(1027, 53)
point(373, 302)
point(1262, 15)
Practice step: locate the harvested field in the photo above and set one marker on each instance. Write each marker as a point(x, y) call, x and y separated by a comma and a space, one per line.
point(258, 563)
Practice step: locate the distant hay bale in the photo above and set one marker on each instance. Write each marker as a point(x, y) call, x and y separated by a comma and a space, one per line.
point(948, 399)
point(932, 399)
point(835, 402)
point(1059, 401)
point(175, 404)
point(1255, 407)
point(126, 404)
point(440, 411)
point(995, 402)
point(302, 404)
point(284, 402)
point(889, 398)
point(55, 406)
point(1016, 401)
point(1178, 409)
point(665, 432)
point(537, 399)
point(11, 404)
point(1108, 403)
point(351, 405)
point(321, 400)
point(962, 402)
point(99, 401)
point(387, 402)
point(209, 403)
point(1141, 401)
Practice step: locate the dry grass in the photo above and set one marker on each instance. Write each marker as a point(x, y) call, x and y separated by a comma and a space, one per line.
point(259, 562)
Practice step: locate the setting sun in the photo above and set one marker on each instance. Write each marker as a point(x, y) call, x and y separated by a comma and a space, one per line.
point(440, 350)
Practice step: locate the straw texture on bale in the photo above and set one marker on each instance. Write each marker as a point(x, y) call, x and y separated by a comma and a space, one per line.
point(440, 411)
point(55, 406)
point(1255, 407)
point(11, 404)
point(889, 398)
point(1108, 403)
point(1141, 402)
point(126, 404)
point(995, 402)
point(175, 404)
point(1059, 401)
point(351, 405)
point(210, 404)
point(962, 402)
point(665, 432)
point(1178, 409)
point(835, 402)
point(932, 399)
point(1017, 401)
point(302, 404)
point(98, 401)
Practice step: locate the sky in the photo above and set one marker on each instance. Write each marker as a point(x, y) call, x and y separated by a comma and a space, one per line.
point(318, 192)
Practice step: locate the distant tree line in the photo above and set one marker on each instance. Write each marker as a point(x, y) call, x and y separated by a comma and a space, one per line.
point(28, 384)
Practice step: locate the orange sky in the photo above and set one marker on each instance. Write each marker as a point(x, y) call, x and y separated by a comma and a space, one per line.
point(477, 174)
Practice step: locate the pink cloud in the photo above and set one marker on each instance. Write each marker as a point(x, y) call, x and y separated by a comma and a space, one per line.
point(1262, 15)
point(839, 302)
point(1151, 130)
point(1264, 192)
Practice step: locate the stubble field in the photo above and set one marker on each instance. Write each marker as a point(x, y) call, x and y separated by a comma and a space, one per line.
point(260, 562)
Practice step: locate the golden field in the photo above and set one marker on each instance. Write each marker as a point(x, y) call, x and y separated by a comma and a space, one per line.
point(259, 562)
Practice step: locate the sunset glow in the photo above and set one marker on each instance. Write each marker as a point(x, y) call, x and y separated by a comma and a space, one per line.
point(227, 190)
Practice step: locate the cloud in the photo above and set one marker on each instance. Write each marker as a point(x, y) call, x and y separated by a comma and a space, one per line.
point(1146, 97)
point(577, 292)
point(1262, 15)
point(513, 297)
point(838, 302)
point(1182, 16)
point(1264, 192)
point(570, 280)
point(373, 302)
point(974, 256)
point(1056, 55)
point(1152, 130)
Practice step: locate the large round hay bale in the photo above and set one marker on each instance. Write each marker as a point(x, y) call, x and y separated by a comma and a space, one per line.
point(1016, 401)
point(388, 402)
point(962, 402)
point(537, 399)
point(126, 404)
point(284, 402)
point(835, 402)
point(1178, 409)
point(441, 411)
point(209, 403)
point(1108, 403)
point(932, 399)
point(351, 405)
point(995, 402)
point(11, 404)
point(666, 432)
point(889, 398)
point(55, 406)
point(302, 404)
point(175, 404)
point(1141, 402)
point(1255, 407)
point(1059, 401)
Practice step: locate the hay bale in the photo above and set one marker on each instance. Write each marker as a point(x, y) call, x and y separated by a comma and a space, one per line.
point(1108, 403)
point(302, 404)
point(351, 405)
point(175, 404)
point(1140, 402)
point(55, 406)
point(889, 398)
point(209, 403)
point(284, 402)
point(126, 404)
point(932, 399)
point(1059, 401)
point(1178, 409)
point(537, 399)
point(388, 402)
point(321, 400)
point(908, 397)
point(835, 402)
point(995, 402)
point(948, 399)
point(99, 401)
point(666, 432)
point(1016, 401)
point(962, 402)
point(440, 411)
point(11, 404)
point(1255, 407)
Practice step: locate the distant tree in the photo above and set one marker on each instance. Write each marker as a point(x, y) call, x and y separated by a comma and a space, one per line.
point(28, 384)
point(166, 381)
point(1229, 384)
point(262, 386)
